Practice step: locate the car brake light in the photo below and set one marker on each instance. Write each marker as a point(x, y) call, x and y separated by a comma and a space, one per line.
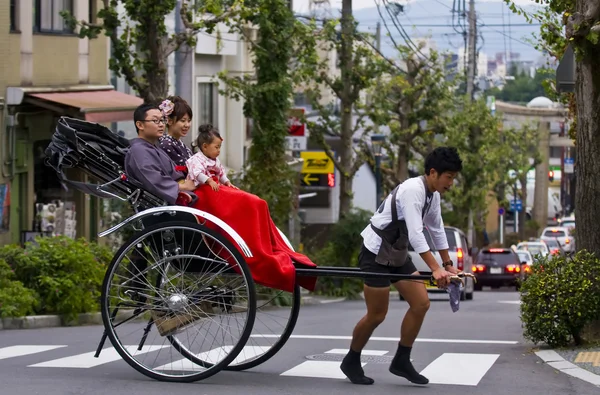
point(478, 268)
point(513, 268)
point(496, 250)
point(526, 268)
point(459, 259)
point(567, 241)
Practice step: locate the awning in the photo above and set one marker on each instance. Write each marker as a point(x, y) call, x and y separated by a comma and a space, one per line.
point(101, 106)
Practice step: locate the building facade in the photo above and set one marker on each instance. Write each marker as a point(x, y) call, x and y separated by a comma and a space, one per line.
point(47, 72)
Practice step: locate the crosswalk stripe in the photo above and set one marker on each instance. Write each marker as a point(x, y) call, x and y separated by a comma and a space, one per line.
point(213, 356)
point(87, 360)
point(326, 369)
point(467, 369)
point(18, 351)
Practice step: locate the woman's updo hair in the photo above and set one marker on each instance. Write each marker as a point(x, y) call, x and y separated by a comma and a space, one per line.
point(206, 134)
point(181, 108)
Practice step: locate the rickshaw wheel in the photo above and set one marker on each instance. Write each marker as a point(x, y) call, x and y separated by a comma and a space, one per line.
point(174, 287)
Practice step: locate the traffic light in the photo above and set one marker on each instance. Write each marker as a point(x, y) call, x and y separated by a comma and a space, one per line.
point(551, 176)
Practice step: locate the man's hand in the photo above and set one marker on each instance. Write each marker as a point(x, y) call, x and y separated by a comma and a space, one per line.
point(187, 185)
point(441, 276)
point(452, 269)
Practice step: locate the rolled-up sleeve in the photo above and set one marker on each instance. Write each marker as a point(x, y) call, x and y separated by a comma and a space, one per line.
point(435, 225)
point(411, 204)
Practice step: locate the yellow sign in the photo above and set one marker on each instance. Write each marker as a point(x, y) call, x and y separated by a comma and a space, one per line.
point(316, 162)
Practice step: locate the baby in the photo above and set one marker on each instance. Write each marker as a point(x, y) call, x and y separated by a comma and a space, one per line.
point(204, 166)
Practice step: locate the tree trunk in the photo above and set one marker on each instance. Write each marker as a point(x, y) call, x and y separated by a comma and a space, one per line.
point(402, 162)
point(523, 212)
point(587, 96)
point(346, 157)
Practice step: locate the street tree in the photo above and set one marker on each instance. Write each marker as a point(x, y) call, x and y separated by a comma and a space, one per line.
point(521, 146)
point(267, 94)
point(474, 131)
point(412, 104)
point(140, 41)
point(577, 23)
point(360, 67)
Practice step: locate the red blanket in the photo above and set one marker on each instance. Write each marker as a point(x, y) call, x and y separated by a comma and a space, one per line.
point(272, 261)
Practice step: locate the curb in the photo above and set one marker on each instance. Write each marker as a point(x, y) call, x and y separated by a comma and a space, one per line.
point(552, 358)
point(56, 321)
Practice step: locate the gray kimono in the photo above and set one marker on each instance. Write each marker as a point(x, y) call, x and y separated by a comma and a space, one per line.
point(152, 167)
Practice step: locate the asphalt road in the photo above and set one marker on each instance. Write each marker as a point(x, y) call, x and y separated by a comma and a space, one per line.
point(478, 350)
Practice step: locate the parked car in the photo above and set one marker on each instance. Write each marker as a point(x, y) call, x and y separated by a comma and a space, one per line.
point(459, 253)
point(562, 235)
point(497, 267)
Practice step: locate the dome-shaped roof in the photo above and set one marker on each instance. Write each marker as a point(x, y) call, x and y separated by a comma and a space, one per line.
point(541, 102)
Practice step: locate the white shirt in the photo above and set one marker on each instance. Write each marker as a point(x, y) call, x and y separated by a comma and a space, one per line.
point(410, 200)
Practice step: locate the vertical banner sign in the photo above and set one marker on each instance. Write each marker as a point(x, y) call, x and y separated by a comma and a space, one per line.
point(296, 139)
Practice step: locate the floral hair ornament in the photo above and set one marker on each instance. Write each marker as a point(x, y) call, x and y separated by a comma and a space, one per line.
point(166, 107)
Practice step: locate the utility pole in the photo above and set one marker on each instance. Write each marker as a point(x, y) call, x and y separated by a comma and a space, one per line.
point(378, 37)
point(471, 50)
point(471, 66)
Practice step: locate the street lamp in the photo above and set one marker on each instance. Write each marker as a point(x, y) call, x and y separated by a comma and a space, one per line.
point(376, 143)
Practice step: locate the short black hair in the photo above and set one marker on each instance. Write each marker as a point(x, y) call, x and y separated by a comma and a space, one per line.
point(140, 113)
point(443, 159)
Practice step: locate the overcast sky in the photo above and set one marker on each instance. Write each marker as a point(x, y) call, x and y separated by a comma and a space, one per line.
point(301, 6)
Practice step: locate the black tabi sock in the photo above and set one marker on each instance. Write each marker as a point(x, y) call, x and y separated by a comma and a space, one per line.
point(352, 368)
point(401, 366)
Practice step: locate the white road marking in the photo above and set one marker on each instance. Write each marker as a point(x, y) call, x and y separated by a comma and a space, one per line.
point(213, 356)
point(467, 369)
point(344, 351)
point(510, 301)
point(393, 339)
point(18, 351)
point(87, 360)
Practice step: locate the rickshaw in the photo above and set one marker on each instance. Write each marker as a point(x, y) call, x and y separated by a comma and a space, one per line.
point(180, 275)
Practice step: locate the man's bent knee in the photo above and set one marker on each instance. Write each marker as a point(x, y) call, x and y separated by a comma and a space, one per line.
point(420, 306)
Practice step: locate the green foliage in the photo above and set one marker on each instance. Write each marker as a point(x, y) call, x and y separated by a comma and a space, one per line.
point(523, 88)
point(15, 299)
point(360, 68)
point(66, 274)
point(474, 131)
point(267, 103)
point(413, 105)
point(560, 298)
point(341, 250)
point(140, 51)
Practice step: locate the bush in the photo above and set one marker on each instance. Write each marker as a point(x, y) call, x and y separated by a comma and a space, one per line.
point(342, 251)
point(66, 274)
point(15, 299)
point(560, 297)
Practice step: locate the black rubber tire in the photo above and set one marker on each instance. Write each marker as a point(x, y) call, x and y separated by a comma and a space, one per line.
point(251, 302)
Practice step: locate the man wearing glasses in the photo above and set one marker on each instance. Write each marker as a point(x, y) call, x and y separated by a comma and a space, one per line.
point(150, 165)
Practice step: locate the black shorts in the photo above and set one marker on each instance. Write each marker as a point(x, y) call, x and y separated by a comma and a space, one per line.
point(366, 262)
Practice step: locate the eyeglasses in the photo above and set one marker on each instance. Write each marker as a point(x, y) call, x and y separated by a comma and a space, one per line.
point(156, 121)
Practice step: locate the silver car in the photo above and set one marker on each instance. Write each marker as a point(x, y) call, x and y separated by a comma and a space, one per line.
point(562, 235)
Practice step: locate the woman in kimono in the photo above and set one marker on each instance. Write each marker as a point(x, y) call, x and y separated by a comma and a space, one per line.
point(179, 120)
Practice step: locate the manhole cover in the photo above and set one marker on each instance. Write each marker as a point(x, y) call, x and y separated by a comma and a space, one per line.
point(340, 357)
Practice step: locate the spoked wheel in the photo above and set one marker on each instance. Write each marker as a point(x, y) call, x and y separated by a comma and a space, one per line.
point(183, 283)
point(276, 316)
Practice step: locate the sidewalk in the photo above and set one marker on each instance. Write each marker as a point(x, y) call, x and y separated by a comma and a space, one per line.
point(583, 363)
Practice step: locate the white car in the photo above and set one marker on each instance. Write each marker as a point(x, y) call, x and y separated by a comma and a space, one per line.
point(525, 257)
point(534, 247)
point(562, 234)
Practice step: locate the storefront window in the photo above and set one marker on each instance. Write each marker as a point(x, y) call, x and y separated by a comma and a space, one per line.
point(54, 207)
